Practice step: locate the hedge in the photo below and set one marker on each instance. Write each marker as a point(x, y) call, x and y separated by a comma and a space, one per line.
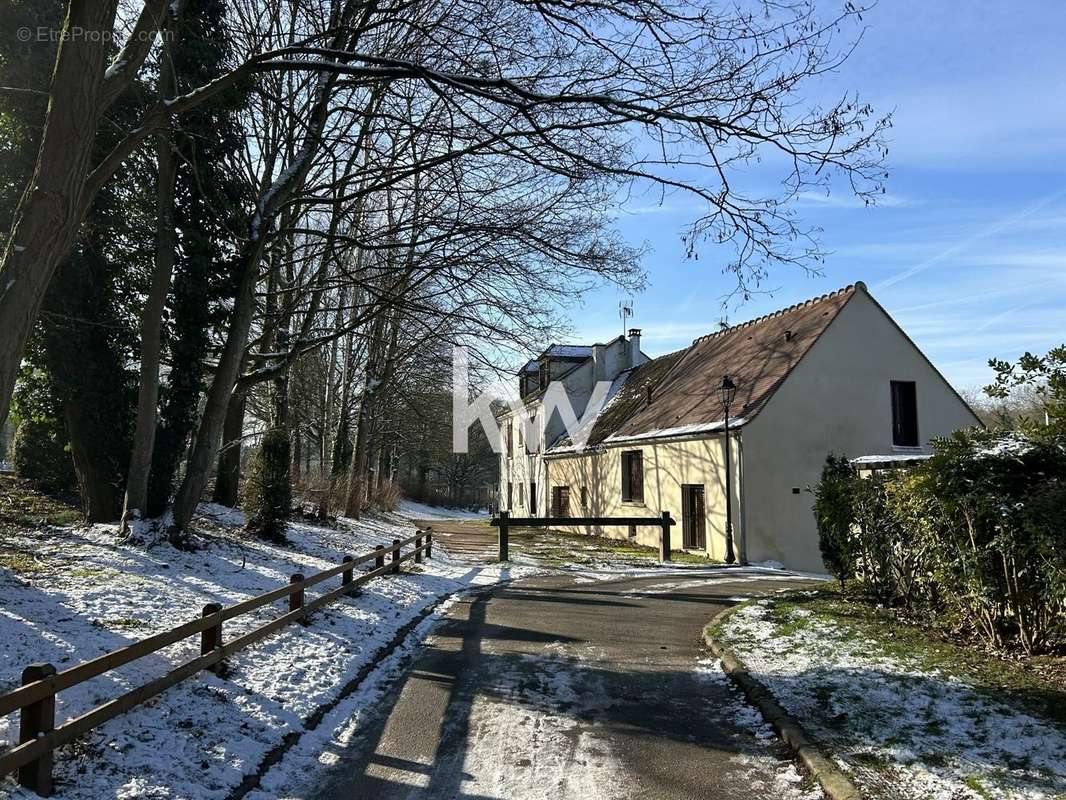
point(975, 535)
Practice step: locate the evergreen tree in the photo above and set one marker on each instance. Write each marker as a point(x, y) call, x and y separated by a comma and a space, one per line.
point(211, 202)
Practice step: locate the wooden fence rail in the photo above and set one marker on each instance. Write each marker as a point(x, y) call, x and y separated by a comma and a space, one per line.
point(504, 521)
point(38, 736)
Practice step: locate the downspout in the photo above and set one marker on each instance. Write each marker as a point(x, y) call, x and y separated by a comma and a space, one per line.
point(547, 494)
point(742, 542)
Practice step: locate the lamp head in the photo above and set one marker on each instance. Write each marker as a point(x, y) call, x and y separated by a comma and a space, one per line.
point(727, 391)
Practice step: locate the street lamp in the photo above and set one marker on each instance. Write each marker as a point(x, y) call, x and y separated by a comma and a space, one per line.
point(728, 392)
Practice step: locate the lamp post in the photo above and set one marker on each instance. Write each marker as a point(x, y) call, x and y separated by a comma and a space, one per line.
point(728, 392)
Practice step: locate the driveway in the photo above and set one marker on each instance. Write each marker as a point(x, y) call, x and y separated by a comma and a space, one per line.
point(562, 687)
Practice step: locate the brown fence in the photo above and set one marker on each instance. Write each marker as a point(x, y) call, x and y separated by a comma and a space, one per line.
point(38, 736)
point(505, 522)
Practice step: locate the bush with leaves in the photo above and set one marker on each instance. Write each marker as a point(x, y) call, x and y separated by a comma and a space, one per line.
point(880, 552)
point(40, 450)
point(268, 489)
point(976, 535)
point(834, 511)
point(998, 524)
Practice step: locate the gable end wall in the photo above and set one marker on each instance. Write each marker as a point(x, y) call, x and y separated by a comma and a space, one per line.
point(836, 399)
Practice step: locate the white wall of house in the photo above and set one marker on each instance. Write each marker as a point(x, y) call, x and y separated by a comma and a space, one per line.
point(836, 399)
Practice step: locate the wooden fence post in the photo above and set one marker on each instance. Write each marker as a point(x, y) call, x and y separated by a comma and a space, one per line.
point(34, 720)
point(395, 556)
point(664, 540)
point(210, 638)
point(296, 595)
point(418, 549)
point(379, 560)
point(429, 543)
point(504, 556)
point(346, 576)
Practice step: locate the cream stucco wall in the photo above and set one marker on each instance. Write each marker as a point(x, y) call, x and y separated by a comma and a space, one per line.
point(667, 466)
point(836, 399)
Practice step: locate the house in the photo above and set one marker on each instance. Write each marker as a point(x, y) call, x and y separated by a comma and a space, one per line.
point(832, 374)
point(577, 368)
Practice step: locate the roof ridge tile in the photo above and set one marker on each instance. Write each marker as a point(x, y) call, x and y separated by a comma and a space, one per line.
point(779, 312)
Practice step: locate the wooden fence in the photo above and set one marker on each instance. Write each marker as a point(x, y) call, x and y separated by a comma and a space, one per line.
point(36, 698)
point(505, 521)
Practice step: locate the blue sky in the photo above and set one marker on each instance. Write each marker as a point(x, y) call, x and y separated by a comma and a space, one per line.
point(968, 250)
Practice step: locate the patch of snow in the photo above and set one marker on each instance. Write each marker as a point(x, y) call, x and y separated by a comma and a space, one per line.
point(901, 730)
point(91, 594)
point(412, 510)
point(768, 564)
point(114, 69)
point(1011, 443)
point(681, 430)
point(877, 459)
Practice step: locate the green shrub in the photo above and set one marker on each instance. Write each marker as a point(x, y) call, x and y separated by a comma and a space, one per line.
point(995, 502)
point(877, 540)
point(41, 456)
point(834, 512)
point(268, 490)
point(976, 535)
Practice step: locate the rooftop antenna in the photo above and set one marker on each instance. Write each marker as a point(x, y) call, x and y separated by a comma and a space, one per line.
point(625, 311)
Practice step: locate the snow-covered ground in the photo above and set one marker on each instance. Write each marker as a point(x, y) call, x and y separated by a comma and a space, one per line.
point(902, 731)
point(412, 510)
point(86, 595)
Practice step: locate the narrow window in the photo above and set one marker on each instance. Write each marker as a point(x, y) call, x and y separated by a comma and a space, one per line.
point(904, 414)
point(532, 499)
point(584, 497)
point(633, 476)
point(510, 486)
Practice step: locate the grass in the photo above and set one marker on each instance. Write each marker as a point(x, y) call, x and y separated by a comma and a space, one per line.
point(556, 548)
point(1036, 684)
point(22, 506)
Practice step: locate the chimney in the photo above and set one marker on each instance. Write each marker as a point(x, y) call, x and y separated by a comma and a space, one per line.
point(599, 362)
point(634, 347)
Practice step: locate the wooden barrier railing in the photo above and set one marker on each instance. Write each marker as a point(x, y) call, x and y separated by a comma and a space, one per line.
point(38, 736)
point(504, 521)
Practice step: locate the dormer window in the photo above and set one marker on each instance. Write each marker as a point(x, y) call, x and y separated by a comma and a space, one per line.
point(545, 374)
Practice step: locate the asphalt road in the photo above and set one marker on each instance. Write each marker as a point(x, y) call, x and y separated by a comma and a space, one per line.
point(558, 687)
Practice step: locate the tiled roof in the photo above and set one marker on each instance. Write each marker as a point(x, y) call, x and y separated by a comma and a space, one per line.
point(758, 355)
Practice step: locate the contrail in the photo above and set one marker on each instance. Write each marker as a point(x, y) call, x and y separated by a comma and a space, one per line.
point(992, 230)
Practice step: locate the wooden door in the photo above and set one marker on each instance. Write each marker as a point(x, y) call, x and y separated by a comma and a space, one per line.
point(560, 501)
point(693, 517)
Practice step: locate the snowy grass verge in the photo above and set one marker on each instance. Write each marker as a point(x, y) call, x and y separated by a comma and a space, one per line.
point(903, 717)
point(78, 593)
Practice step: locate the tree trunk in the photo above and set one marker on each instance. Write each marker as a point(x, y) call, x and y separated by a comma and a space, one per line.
point(101, 496)
point(357, 480)
point(205, 445)
point(47, 218)
point(228, 478)
point(151, 325)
